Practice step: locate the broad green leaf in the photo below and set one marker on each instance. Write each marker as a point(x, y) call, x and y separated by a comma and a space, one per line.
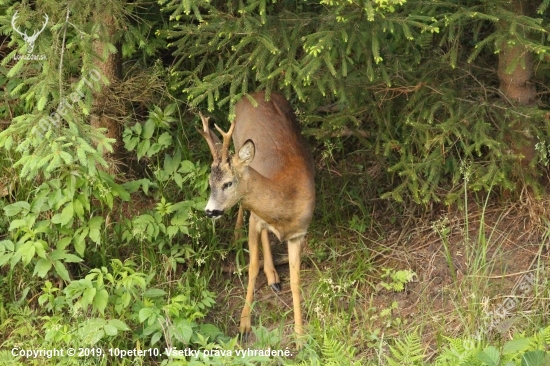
point(71, 258)
point(100, 300)
point(27, 251)
point(154, 292)
point(165, 139)
point(88, 296)
point(184, 332)
point(490, 356)
point(186, 167)
point(79, 240)
point(61, 270)
point(121, 192)
point(118, 324)
point(78, 209)
point(8, 244)
point(515, 346)
point(110, 330)
point(148, 129)
point(4, 258)
point(63, 242)
point(66, 214)
point(42, 267)
point(16, 224)
point(95, 225)
point(148, 314)
point(142, 148)
point(533, 358)
point(40, 247)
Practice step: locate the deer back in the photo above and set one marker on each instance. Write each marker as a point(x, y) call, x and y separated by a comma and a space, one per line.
point(282, 156)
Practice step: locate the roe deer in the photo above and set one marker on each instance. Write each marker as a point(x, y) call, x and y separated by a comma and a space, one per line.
point(271, 174)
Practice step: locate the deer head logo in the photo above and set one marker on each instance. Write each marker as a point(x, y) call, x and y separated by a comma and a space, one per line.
point(29, 39)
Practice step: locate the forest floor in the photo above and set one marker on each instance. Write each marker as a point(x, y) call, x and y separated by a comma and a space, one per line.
point(479, 273)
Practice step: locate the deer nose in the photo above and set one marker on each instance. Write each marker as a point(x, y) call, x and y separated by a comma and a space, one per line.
point(213, 214)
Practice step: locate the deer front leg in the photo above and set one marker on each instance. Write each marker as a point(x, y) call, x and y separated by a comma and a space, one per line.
point(253, 269)
point(294, 247)
point(269, 267)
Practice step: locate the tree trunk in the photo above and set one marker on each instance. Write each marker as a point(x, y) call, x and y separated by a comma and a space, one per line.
point(515, 68)
point(109, 65)
point(515, 82)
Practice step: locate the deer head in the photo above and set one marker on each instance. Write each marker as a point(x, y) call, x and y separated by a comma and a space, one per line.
point(29, 39)
point(227, 170)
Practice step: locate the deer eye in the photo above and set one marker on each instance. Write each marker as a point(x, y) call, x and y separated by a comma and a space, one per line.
point(227, 185)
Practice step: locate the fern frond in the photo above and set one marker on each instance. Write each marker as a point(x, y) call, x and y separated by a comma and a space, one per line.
point(406, 352)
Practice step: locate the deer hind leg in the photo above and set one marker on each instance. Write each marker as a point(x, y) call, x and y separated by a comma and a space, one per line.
point(253, 270)
point(269, 267)
point(294, 247)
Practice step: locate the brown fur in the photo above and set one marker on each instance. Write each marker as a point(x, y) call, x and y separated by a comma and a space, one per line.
point(271, 175)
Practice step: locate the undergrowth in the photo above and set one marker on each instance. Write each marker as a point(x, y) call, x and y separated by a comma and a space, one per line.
point(129, 273)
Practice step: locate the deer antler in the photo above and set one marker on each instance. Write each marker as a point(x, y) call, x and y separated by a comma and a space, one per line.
point(226, 140)
point(214, 142)
point(210, 138)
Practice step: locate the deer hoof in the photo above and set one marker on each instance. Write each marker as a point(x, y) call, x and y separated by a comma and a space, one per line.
point(276, 287)
point(243, 336)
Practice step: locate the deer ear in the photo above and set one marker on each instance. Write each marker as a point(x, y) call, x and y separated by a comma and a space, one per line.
point(246, 152)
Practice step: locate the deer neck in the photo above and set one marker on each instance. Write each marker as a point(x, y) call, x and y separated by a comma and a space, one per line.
point(266, 198)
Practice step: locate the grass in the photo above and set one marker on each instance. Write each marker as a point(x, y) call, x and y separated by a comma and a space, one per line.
point(456, 266)
point(465, 261)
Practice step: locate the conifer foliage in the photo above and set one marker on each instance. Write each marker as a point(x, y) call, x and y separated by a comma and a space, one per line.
point(422, 83)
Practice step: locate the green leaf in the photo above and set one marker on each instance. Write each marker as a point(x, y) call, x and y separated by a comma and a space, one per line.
point(79, 241)
point(515, 346)
point(17, 207)
point(61, 270)
point(63, 242)
point(4, 258)
point(92, 331)
point(147, 314)
point(16, 224)
point(67, 214)
point(110, 330)
point(133, 186)
point(121, 192)
point(165, 139)
point(42, 267)
point(40, 247)
point(95, 225)
point(170, 109)
point(172, 231)
point(8, 244)
point(78, 209)
point(183, 330)
point(154, 292)
point(100, 300)
point(210, 331)
point(27, 251)
point(533, 358)
point(148, 129)
point(88, 297)
point(118, 324)
point(186, 167)
point(490, 356)
point(142, 148)
point(178, 179)
point(71, 258)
